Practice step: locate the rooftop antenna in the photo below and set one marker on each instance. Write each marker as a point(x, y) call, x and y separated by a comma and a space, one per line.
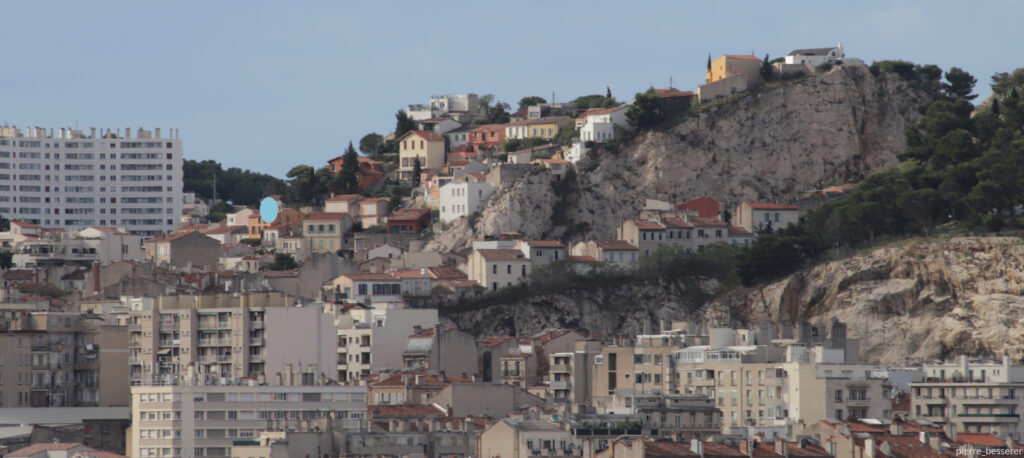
point(552, 96)
point(670, 81)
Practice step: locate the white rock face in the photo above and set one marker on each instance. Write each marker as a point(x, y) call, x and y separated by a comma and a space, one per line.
point(768, 145)
point(925, 300)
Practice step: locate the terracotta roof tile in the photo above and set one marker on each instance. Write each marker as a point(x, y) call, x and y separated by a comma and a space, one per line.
point(768, 206)
point(502, 255)
point(616, 245)
point(325, 216)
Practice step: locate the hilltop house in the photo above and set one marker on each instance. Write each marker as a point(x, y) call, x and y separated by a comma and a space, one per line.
point(729, 74)
point(754, 216)
point(324, 232)
point(426, 146)
point(816, 56)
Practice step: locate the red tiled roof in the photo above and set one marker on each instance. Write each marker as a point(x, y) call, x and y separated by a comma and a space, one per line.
point(427, 135)
point(446, 273)
point(766, 206)
point(502, 255)
point(24, 224)
point(667, 449)
point(19, 275)
point(619, 245)
point(38, 448)
point(225, 230)
point(717, 449)
point(490, 128)
point(647, 225)
point(982, 440)
point(492, 341)
point(586, 259)
point(544, 243)
point(344, 197)
point(678, 223)
point(325, 216)
point(411, 274)
point(739, 231)
point(461, 283)
point(408, 214)
point(600, 111)
point(698, 221)
point(175, 236)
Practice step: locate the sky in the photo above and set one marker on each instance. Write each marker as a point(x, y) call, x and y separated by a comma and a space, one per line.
point(267, 85)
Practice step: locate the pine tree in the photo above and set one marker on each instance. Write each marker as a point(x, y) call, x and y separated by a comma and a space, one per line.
point(347, 179)
point(709, 62)
point(416, 169)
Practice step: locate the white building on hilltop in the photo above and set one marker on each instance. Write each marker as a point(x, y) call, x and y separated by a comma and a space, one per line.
point(70, 180)
point(464, 198)
point(816, 56)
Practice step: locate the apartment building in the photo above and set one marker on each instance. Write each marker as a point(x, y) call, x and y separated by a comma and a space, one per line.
point(570, 374)
point(72, 180)
point(207, 420)
point(95, 244)
point(974, 396)
point(172, 338)
point(374, 338)
point(54, 359)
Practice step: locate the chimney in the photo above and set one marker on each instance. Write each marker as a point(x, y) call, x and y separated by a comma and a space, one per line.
point(1009, 441)
point(952, 431)
point(780, 447)
point(157, 133)
point(697, 447)
point(869, 447)
point(467, 424)
point(896, 429)
point(923, 437)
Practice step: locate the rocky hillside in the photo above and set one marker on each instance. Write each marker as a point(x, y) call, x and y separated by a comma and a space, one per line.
point(767, 145)
point(923, 300)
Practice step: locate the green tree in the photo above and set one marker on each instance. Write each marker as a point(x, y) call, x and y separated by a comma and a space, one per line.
point(241, 187)
point(496, 112)
point(416, 170)
point(596, 101)
point(403, 124)
point(960, 84)
point(530, 101)
point(645, 111)
point(301, 185)
point(321, 185)
point(6, 259)
point(346, 181)
point(608, 93)
point(511, 144)
point(283, 261)
point(371, 144)
point(766, 69)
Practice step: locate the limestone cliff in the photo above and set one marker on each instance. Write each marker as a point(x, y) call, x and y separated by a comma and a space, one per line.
point(920, 299)
point(923, 300)
point(766, 145)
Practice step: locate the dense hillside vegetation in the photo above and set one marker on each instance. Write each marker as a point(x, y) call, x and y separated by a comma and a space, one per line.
point(961, 166)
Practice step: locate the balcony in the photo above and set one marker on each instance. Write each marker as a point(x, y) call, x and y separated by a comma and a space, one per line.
point(170, 343)
point(559, 368)
point(170, 325)
point(134, 361)
point(135, 327)
point(255, 325)
point(256, 341)
point(256, 358)
point(559, 385)
point(214, 342)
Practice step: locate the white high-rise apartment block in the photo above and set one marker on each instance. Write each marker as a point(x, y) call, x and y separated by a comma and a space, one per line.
point(71, 180)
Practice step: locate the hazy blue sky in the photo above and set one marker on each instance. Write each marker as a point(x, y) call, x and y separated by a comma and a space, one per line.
point(267, 85)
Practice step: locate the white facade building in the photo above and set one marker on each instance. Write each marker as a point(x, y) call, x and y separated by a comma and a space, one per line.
point(463, 198)
point(68, 179)
point(205, 420)
point(599, 125)
point(815, 57)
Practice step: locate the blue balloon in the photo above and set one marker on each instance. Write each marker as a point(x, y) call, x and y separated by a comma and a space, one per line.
point(268, 210)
